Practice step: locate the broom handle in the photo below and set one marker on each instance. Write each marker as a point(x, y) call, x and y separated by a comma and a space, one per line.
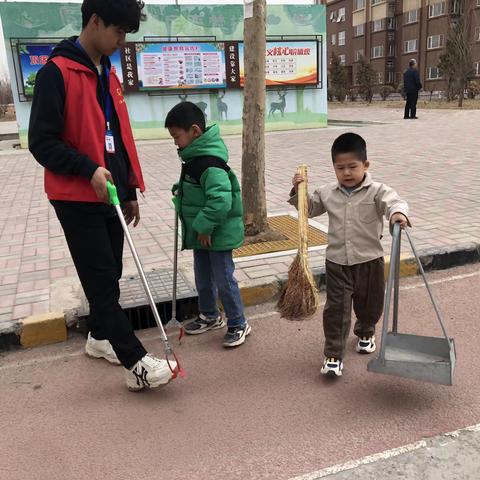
point(302, 193)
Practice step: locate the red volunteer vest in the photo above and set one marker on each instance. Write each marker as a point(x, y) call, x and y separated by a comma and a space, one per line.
point(84, 130)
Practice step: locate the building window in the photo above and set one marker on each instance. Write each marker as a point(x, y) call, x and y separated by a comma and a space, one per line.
point(380, 78)
point(477, 34)
point(341, 38)
point(343, 59)
point(478, 3)
point(434, 73)
point(375, 2)
point(411, 17)
point(392, 51)
point(410, 46)
point(334, 38)
point(477, 69)
point(437, 9)
point(435, 41)
point(390, 78)
point(359, 54)
point(391, 23)
point(359, 30)
point(341, 15)
point(378, 25)
point(360, 4)
point(457, 8)
point(377, 52)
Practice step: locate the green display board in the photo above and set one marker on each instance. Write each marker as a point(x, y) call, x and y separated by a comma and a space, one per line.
point(299, 107)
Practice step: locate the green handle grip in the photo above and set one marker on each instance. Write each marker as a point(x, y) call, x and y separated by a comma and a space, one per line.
point(112, 193)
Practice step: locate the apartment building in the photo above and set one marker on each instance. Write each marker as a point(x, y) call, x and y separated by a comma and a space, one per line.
point(389, 33)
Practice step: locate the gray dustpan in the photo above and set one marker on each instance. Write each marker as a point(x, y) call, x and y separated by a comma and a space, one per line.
point(428, 359)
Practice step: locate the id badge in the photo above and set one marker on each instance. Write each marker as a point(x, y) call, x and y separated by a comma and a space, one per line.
point(109, 142)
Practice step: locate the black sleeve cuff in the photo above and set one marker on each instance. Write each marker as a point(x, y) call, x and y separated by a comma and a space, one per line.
point(88, 168)
point(131, 195)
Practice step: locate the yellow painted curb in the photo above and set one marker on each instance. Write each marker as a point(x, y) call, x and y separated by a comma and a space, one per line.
point(256, 295)
point(43, 329)
point(408, 265)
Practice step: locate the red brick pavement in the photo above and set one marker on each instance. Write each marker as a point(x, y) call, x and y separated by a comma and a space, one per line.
point(433, 163)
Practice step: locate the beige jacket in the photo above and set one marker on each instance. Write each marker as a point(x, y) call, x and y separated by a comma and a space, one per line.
point(355, 219)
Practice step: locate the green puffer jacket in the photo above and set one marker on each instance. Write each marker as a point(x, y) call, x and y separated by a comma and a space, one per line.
point(208, 197)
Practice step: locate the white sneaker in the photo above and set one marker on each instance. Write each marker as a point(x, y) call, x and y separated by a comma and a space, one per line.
point(366, 344)
point(149, 372)
point(332, 367)
point(101, 349)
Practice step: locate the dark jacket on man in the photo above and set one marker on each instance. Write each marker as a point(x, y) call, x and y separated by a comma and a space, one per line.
point(411, 81)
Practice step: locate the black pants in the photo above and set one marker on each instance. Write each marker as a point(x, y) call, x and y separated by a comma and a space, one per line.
point(411, 105)
point(95, 238)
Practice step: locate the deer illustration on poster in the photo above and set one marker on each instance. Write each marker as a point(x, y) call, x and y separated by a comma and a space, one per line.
point(201, 105)
point(222, 107)
point(280, 106)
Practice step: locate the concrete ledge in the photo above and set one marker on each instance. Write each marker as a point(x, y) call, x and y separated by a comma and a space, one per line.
point(52, 327)
point(43, 329)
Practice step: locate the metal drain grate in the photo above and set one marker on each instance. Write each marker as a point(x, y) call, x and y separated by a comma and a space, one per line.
point(133, 299)
point(288, 226)
point(161, 284)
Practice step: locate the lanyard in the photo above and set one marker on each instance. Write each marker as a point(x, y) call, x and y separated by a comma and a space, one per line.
point(105, 86)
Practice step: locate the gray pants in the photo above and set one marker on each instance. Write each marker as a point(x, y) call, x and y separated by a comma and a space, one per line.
point(362, 285)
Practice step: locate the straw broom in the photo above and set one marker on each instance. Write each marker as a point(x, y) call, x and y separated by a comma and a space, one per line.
point(300, 297)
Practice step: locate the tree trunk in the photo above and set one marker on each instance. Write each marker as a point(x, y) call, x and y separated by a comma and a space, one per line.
point(253, 137)
point(460, 96)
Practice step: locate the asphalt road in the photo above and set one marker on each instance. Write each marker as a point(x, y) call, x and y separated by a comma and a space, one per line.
point(259, 412)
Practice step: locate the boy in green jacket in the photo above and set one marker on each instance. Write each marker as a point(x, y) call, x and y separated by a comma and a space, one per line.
point(209, 204)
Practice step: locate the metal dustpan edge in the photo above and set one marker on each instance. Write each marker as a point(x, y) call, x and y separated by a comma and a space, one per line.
point(436, 372)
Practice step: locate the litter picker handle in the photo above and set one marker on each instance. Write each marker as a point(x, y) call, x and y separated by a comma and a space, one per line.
point(112, 193)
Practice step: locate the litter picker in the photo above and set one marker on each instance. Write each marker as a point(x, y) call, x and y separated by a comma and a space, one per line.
point(169, 353)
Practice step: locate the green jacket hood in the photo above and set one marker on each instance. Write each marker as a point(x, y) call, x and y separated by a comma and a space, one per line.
point(210, 144)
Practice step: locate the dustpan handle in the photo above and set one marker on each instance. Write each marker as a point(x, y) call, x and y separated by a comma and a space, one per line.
point(392, 280)
point(422, 272)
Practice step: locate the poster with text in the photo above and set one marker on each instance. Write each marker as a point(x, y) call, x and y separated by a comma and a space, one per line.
point(287, 63)
point(33, 56)
point(180, 65)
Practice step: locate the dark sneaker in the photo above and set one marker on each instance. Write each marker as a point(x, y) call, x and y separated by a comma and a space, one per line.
point(366, 344)
point(203, 324)
point(236, 335)
point(332, 367)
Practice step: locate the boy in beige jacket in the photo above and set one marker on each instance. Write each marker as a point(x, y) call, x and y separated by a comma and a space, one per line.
point(356, 206)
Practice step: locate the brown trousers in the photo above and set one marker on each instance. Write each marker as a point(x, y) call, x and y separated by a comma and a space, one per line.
point(364, 284)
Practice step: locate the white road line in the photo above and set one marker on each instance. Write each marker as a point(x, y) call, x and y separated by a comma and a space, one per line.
point(442, 280)
point(394, 452)
point(362, 461)
point(257, 316)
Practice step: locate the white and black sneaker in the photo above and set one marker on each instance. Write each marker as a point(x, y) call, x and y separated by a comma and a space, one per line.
point(366, 344)
point(332, 367)
point(204, 324)
point(100, 349)
point(235, 336)
point(149, 372)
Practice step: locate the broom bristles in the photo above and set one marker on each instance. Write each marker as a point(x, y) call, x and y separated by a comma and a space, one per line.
point(300, 297)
